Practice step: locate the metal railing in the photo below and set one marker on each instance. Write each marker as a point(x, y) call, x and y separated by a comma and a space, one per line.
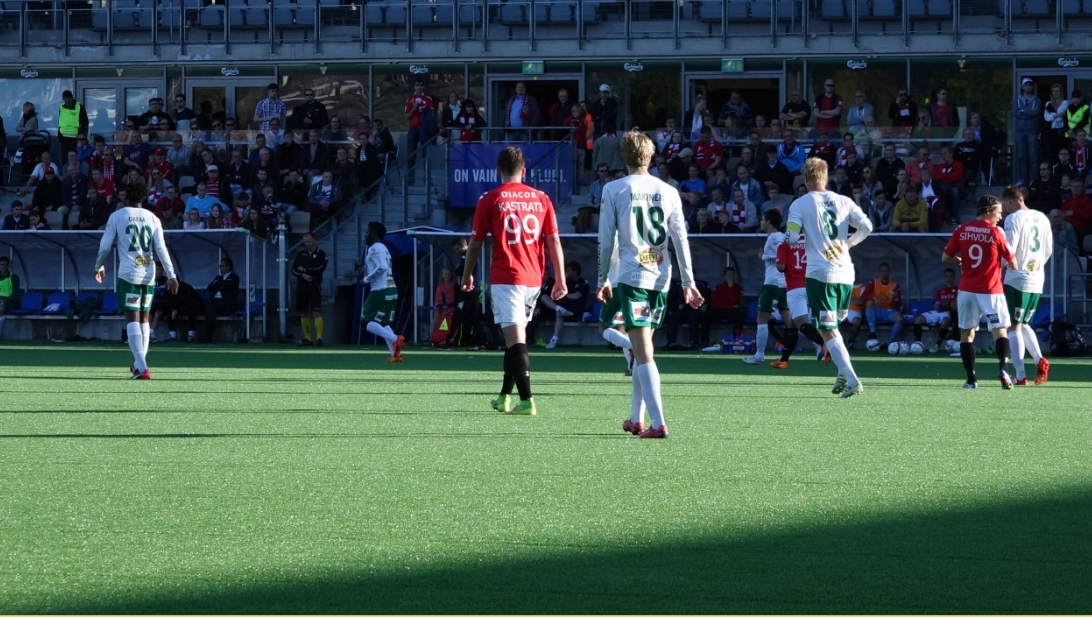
point(153, 24)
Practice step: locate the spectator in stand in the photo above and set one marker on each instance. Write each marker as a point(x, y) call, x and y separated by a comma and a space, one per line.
point(757, 147)
point(694, 181)
point(334, 132)
point(183, 116)
point(736, 111)
point(275, 135)
point(1065, 237)
point(310, 114)
point(149, 120)
point(856, 113)
point(774, 173)
point(71, 121)
point(606, 150)
point(521, 114)
point(1064, 167)
point(924, 159)
point(217, 186)
point(1077, 115)
point(942, 111)
point(827, 109)
point(469, 122)
point(1026, 146)
point(37, 222)
point(1081, 153)
point(901, 184)
point(859, 198)
point(839, 183)
point(237, 173)
point(84, 150)
point(903, 111)
point(193, 221)
point(178, 155)
point(854, 167)
point(323, 200)
point(870, 138)
point(94, 212)
point(889, 166)
point(16, 220)
point(988, 136)
point(417, 105)
point(288, 154)
point(1054, 113)
point(584, 219)
point(314, 157)
point(294, 191)
point(604, 110)
point(679, 166)
point(217, 218)
point(789, 153)
point(869, 184)
point(560, 112)
point(674, 146)
point(1077, 210)
point(747, 158)
point(708, 153)
point(881, 212)
point(257, 224)
point(270, 108)
point(949, 175)
point(267, 164)
point(137, 154)
point(665, 135)
point(344, 172)
point(742, 214)
point(693, 120)
point(720, 180)
point(449, 118)
point(752, 190)
point(171, 221)
point(202, 202)
point(1043, 193)
point(169, 203)
point(73, 192)
point(848, 146)
point(104, 187)
point(369, 169)
point(28, 122)
point(726, 304)
point(911, 214)
point(717, 203)
point(776, 201)
point(49, 196)
point(796, 113)
point(704, 224)
point(39, 172)
point(158, 161)
point(972, 154)
point(383, 140)
point(939, 209)
point(664, 174)
point(823, 149)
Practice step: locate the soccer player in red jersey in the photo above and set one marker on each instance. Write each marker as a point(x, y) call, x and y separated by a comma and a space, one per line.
point(979, 247)
point(522, 222)
point(941, 315)
point(792, 259)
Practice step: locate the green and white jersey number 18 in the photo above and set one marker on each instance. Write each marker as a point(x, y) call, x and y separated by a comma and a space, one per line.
point(650, 224)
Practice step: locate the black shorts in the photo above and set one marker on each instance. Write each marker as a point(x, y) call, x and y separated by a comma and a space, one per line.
point(308, 297)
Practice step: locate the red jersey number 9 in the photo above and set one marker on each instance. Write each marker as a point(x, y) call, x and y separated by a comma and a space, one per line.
point(526, 229)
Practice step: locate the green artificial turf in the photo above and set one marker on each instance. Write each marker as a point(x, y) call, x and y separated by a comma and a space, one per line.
point(264, 479)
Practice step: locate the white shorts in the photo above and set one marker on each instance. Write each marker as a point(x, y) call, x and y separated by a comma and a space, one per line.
point(974, 307)
point(798, 302)
point(933, 318)
point(513, 304)
point(851, 315)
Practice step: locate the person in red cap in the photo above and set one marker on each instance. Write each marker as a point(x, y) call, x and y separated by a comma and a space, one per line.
point(48, 196)
point(158, 160)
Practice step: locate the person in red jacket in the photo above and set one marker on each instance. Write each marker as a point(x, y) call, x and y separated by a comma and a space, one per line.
point(948, 176)
point(727, 303)
point(1077, 210)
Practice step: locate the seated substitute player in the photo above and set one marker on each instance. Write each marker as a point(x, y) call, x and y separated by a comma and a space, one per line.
point(825, 217)
point(571, 307)
point(726, 304)
point(773, 288)
point(137, 234)
point(1032, 243)
point(308, 267)
point(979, 247)
point(223, 298)
point(941, 315)
point(792, 259)
point(638, 214)
point(382, 302)
point(884, 304)
point(521, 220)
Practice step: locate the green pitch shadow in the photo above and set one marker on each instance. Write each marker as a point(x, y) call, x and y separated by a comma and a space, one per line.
point(1018, 557)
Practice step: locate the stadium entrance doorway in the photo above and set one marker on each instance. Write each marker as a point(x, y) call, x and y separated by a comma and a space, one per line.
point(544, 91)
point(109, 102)
point(762, 92)
point(213, 99)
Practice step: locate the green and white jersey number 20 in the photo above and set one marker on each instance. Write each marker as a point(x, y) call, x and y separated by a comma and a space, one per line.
point(140, 238)
point(653, 231)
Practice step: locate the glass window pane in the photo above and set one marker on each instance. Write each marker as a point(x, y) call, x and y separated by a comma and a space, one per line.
point(646, 98)
point(209, 102)
point(879, 81)
point(344, 95)
point(983, 87)
point(102, 110)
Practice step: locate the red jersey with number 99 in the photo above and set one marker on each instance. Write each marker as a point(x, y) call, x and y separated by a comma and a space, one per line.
point(795, 259)
point(519, 218)
point(982, 247)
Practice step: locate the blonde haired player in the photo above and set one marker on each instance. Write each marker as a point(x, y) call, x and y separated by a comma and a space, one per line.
point(824, 218)
point(638, 214)
point(1032, 243)
point(137, 234)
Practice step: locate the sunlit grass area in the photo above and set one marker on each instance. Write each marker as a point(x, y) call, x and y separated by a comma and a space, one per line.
point(263, 479)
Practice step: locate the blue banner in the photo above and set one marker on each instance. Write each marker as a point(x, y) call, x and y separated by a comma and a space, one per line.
point(472, 171)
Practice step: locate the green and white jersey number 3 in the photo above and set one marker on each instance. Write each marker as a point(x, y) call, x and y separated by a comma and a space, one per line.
point(650, 224)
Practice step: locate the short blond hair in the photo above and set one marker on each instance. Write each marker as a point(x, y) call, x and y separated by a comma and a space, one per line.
point(637, 149)
point(815, 174)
